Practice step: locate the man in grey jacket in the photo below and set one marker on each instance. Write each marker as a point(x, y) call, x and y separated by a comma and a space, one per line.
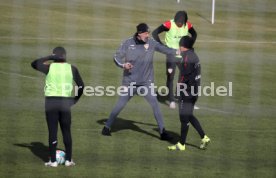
point(135, 56)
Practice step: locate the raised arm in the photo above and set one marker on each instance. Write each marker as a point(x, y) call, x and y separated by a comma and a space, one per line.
point(41, 65)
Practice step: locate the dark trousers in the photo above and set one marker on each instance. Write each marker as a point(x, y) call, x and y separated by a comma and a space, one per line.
point(58, 110)
point(186, 109)
point(171, 64)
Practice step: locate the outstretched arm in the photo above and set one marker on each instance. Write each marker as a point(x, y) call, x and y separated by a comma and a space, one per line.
point(165, 50)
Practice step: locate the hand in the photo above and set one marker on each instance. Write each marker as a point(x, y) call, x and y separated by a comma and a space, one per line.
point(127, 66)
point(57, 58)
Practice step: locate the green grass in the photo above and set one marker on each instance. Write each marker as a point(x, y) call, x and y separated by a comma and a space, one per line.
point(238, 48)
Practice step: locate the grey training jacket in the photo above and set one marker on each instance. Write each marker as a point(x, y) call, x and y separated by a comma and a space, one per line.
point(141, 57)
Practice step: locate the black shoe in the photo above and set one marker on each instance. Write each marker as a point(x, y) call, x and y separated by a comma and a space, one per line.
point(106, 131)
point(165, 135)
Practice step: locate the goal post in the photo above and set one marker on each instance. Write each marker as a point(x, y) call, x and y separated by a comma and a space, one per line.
point(213, 11)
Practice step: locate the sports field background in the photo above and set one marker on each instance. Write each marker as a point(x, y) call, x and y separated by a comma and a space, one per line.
point(238, 48)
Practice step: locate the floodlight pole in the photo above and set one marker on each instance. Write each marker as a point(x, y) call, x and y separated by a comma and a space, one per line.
point(213, 11)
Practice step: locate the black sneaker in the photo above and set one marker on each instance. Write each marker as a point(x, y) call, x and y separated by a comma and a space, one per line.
point(106, 131)
point(165, 135)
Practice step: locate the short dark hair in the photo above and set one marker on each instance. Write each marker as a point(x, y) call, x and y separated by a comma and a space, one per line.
point(142, 27)
point(181, 17)
point(59, 51)
point(187, 42)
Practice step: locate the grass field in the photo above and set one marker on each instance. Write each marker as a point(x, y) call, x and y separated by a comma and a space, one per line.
point(238, 48)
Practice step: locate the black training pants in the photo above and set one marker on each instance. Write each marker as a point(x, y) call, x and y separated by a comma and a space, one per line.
point(58, 110)
point(171, 63)
point(186, 109)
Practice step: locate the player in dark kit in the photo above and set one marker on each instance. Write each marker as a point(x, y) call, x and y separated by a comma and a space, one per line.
point(188, 83)
point(58, 101)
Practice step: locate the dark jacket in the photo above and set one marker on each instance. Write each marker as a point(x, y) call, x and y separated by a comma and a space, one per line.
point(190, 71)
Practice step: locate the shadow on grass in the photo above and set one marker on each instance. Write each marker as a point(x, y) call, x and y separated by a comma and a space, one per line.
point(162, 99)
point(37, 148)
point(123, 124)
point(176, 137)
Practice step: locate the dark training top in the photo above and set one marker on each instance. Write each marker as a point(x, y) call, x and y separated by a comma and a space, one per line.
point(39, 65)
point(190, 70)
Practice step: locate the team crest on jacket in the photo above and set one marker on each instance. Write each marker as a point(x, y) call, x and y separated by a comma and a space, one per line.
point(146, 46)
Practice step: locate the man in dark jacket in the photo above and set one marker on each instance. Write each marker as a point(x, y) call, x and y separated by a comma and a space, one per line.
point(188, 85)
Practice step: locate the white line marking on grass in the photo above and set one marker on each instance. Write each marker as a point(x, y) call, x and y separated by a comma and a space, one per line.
point(16, 74)
point(237, 41)
point(251, 130)
point(60, 39)
point(116, 40)
point(214, 110)
point(151, 130)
